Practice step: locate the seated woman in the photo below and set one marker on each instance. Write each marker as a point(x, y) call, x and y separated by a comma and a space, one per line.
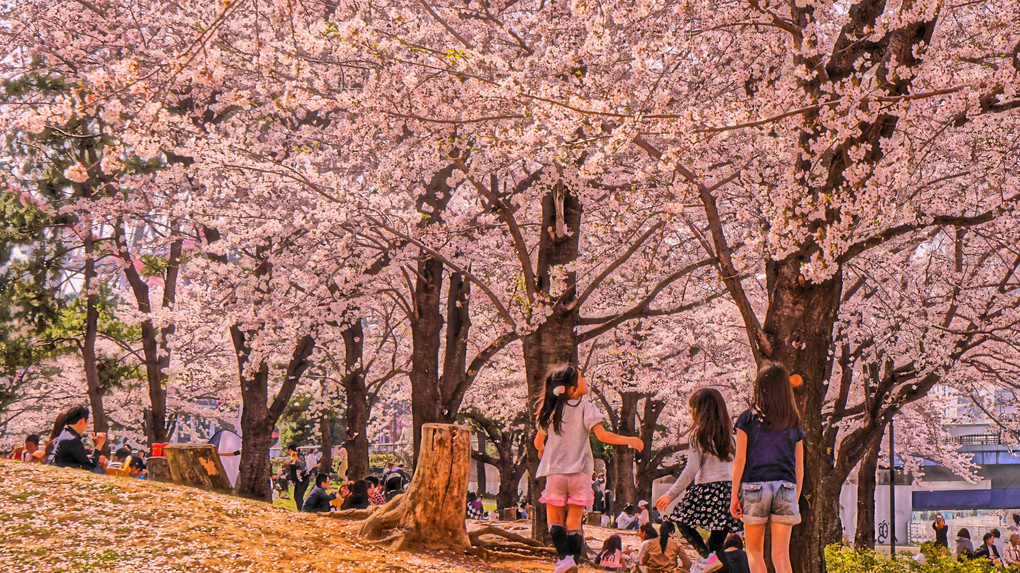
point(660, 552)
point(611, 556)
point(358, 497)
point(628, 518)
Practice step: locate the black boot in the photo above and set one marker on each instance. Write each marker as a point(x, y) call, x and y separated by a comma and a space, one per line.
point(575, 544)
point(559, 539)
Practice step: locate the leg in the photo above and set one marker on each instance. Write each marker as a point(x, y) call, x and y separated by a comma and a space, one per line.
point(694, 538)
point(575, 533)
point(781, 547)
point(716, 540)
point(754, 537)
point(557, 528)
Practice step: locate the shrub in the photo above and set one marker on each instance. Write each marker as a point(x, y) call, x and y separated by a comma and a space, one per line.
point(846, 560)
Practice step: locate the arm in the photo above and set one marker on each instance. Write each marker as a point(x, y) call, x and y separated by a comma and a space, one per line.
point(607, 437)
point(739, 461)
point(540, 443)
point(682, 482)
point(800, 467)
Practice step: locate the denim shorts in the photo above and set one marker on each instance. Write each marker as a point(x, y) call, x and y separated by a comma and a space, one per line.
point(769, 499)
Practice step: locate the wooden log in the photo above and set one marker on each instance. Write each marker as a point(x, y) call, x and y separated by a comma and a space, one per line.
point(431, 513)
point(509, 514)
point(158, 470)
point(197, 465)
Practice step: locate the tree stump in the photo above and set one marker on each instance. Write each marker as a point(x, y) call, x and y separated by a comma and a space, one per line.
point(158, 470)
point(197, 465)
point(431, 512)
point(509, 514)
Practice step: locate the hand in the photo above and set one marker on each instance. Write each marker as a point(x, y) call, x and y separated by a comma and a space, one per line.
point(735, 510)
point(662, 503)
point(99, 439)
point(636, 443)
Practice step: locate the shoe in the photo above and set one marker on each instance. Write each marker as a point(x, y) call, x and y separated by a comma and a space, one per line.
point(567, 565)
point(707, 565)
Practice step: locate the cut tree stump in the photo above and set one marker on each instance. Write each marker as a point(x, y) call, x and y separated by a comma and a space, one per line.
point(157, 469)
point(431, 513)
point(197, 465)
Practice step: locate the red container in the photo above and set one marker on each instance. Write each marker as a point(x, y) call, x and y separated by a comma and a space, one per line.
point(157, 450)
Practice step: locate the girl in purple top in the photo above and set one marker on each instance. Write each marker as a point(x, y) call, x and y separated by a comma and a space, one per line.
point(768, 469)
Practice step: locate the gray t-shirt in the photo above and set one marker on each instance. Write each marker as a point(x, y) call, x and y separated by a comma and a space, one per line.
point(569, 452)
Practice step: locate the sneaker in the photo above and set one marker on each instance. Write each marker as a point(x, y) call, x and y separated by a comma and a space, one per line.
point(707, 565)
point(567, 565)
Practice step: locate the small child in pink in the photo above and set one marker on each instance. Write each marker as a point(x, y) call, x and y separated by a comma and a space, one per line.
point(565, 420)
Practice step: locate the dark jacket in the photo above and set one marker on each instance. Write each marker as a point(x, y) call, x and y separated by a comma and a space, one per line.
point(69, 452)
point(988, 551)
point(318, 501)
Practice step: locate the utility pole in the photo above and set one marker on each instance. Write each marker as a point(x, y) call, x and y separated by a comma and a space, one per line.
point(892, 490)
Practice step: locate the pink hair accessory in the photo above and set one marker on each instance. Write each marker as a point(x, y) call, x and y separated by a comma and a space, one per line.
point(559, 390)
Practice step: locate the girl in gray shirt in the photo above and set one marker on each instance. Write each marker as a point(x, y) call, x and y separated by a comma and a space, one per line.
point(565, 420)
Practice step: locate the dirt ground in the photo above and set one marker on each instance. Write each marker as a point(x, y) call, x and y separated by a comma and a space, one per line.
point(69, 521)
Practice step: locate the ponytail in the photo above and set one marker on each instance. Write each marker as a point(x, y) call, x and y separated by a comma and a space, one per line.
point(558, 383)
point(665, 530)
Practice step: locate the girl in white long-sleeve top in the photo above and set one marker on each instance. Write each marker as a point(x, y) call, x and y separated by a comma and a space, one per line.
point(707, 481)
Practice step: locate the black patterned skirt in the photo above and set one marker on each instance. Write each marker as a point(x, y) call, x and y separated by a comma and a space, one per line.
point(707, 506)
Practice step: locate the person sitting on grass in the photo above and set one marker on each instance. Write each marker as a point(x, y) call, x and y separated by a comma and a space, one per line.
point(611, 556)
point(357, 497)
point(318, 499)
point(628, 518)
point(735, 557)
point(988, 550)
point(964, 546)
point(660, 553)
point(475, 509)
point(375, 491)
point(68, 449)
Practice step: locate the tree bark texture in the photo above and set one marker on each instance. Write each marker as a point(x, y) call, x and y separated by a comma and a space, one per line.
point(258, 416)
point(88, 347)
point(431, 513)
point(197, 465)
point(358, 400)
point(555, 340)
point(480, 481)
point(798, 326)
point(867, 476)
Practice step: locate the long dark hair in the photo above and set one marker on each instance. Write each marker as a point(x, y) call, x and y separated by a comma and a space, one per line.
point(58, 426)
point(665, 530)
point(649, 532)
point(773, 398)
point(612, 544)
point(712, 431)
point(563, 376)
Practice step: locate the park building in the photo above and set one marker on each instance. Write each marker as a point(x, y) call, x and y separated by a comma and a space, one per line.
point(990, 502)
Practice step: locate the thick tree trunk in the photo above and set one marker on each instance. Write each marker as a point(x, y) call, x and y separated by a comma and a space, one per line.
point(256, 438)
point(358, 406)
point(799, 325)
point(626, 488)
point(426, 330)
point(258, 416)
point(866, 482)
point(432, 511)
point(509, 482)
point(554, 341)
point(197, 465)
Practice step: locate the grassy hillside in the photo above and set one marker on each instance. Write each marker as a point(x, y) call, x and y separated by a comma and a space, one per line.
point(56, 520)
